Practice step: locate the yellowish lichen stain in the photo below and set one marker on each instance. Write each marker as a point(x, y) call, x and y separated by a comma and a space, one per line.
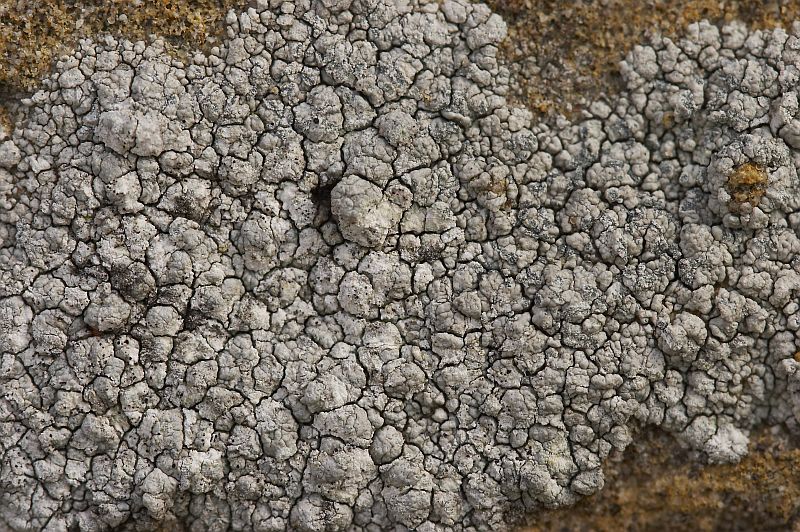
point(6, 124)
point(747, 184)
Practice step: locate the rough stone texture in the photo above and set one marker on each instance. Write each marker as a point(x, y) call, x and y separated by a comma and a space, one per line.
point(565, 55)
point(34, 32)
point(326, 275)
point(659, 486)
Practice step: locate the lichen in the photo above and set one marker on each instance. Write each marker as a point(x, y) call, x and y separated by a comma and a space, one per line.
point(324, 275)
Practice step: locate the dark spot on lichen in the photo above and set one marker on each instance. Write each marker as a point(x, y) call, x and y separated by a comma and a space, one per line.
point(185, 206)
point(131, 281)
point(321, 197)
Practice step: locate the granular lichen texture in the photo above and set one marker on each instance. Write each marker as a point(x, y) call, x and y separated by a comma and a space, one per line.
point(324, 276)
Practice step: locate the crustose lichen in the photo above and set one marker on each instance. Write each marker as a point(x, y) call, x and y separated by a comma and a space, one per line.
point(326, 277)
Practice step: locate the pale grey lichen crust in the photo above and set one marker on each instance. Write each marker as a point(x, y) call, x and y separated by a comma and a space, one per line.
point(327, 278)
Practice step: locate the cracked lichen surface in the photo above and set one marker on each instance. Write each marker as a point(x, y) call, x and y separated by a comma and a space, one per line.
point(325, 276)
